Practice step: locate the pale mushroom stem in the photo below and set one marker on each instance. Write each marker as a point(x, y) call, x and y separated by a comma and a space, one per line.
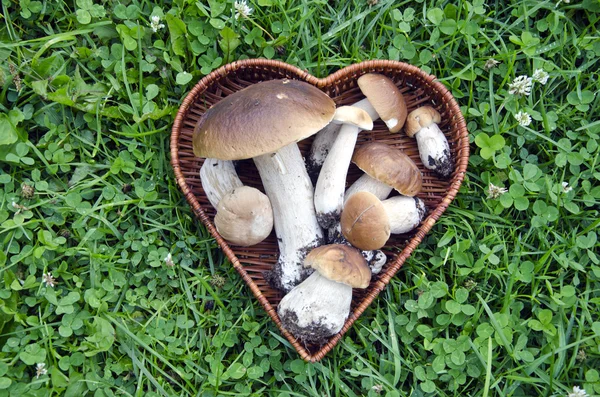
point(329, 191)
point(368, 184)
point(324, 140)
point(434, 150)
point(315, 309)
point(294, 218)
point(218, 178)
point(405, 213)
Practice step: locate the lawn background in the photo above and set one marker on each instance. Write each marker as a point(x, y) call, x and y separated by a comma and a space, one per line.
point(502, 298)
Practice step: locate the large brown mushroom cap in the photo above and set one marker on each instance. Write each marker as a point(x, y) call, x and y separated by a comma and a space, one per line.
point(365, 222)
point(244, 216)
point(385, 97)
point(261, 119)
point(420, 118)
point(390, 166)
point(340, 263)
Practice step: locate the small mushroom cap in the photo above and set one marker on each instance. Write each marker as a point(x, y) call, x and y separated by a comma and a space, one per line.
point(390, 166)
point(385, 97)
point(365, 222)
point(244, 216)
point(420, 118)
point(353, 115)
point(340, 263)
point(260, 119)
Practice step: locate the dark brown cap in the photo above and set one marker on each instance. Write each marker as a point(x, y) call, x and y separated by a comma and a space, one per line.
point(420, 118)
point(261, 119)
point(385, 97)
point(341, 263)
point(365, 222)
point(390, 166)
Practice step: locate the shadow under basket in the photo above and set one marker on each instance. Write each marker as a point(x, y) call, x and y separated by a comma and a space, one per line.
point(418, 87)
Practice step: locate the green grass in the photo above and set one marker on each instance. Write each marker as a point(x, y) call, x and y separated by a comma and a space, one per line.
point(502, 298)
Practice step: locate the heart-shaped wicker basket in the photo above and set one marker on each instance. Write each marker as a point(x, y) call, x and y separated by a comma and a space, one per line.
point(418, 87)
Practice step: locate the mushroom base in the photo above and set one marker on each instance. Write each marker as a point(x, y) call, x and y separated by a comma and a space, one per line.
point(315, 309)
point(442, 166)
point(317, 332)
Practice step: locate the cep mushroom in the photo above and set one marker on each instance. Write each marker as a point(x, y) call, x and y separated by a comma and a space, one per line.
point(318, 307)
point(385, 169)
point(244, 214)
point(264, 121)
point(366, 220)
point(383, 100)
point(422, 123)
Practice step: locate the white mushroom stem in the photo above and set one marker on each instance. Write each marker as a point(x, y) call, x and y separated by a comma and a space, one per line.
point(324, 140)
point(434, 150)
point(405, 213)
point(329, 190)
point(316, 308)
point(218, 178)
point(288, 186)
point(367, 184)
point(375, 258)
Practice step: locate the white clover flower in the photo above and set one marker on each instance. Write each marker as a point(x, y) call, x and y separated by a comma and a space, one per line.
point(541, 76)
point(242, 9)
point(520, 86)
point(523, 118)
point(577, 392)
point(490, 64)
point(40, 369)
point(495, 191)
point(566, 188)
point(48, 279)
point(169, 260)
point(155, 23)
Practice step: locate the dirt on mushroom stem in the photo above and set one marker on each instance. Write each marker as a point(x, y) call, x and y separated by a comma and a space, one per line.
point(274, 276)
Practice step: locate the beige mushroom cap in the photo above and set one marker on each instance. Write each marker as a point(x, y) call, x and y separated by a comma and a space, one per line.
point(341, 263)
point(390, 166)
point(365, 222)
point(261, 119)
point(385, 97)
point(420, 118)
point(244, 216)
point(353, 115)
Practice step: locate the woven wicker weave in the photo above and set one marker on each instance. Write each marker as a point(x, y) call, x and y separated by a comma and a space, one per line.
point(418, 88)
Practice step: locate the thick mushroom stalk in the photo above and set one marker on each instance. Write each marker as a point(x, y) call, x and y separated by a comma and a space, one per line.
point(422, 123)
point(318, 307)
point(329, 191)
point(405, 213)
point(218, 178)
point(324, 140)
point(368, 184)
point(315, 309)
point(290, 190)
